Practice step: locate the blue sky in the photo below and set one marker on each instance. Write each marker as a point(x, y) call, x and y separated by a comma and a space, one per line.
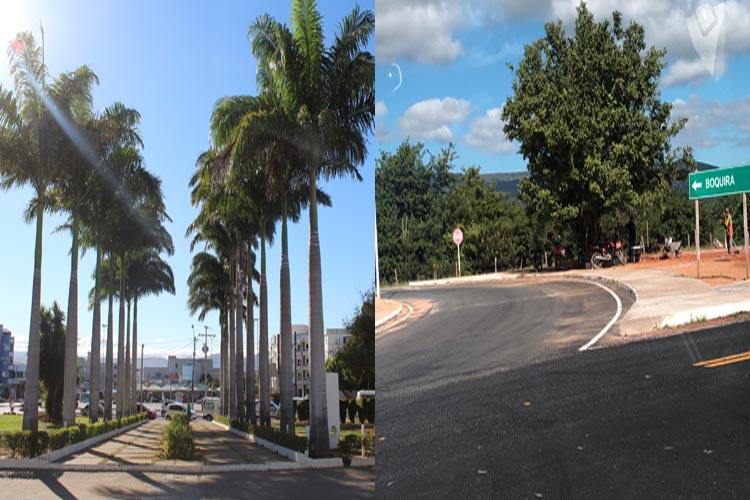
point(453, 58)
point(171, 61)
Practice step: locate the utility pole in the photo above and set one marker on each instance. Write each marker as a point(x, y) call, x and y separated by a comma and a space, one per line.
point(192, 375)
point(205, 356)
point(141, 396)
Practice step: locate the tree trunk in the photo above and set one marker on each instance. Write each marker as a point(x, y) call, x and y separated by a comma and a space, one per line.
point(232, 347)
point(121, 343)
point(126, 375)
point(96, 343)
point(134, 363)
point(265, 389)
point(319, 445)
point(286, 363)
point(240, 377)
point(224, 362)
point(109, 375)
point(70, 372)
point(31, 390)
point(250, 326)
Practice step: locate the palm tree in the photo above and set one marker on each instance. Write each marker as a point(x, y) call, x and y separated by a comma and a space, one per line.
point(148, 274)
point(330, 91)
point(72, 95)
point(26, 158)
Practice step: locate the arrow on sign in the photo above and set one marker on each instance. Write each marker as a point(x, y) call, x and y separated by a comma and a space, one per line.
point(697, 184)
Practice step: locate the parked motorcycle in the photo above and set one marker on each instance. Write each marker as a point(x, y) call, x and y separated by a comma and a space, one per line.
point(536, 259)
point(607, 254)
point(563, 256)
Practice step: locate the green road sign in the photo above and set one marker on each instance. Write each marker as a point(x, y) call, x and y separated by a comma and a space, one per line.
point(719, 182)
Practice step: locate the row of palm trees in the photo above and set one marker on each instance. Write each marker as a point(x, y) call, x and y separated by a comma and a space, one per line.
point(87, 166)
point(311, 118)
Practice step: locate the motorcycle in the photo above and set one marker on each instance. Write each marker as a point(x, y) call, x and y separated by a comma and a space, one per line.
point(608, 254)
point(563, 256)
point(536, 259)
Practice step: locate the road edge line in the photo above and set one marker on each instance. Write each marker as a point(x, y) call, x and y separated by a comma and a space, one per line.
point(599, 335)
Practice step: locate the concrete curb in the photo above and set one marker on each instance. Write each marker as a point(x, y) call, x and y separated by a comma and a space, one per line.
point(704, 314)
point(389, 316)
point(53, 456)
point(171, 469)
point(479, 278)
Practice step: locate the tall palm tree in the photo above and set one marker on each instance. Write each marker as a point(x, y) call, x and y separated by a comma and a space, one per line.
point(148, 274)
point(330, 91)
point(72, 95)
point(26, 158)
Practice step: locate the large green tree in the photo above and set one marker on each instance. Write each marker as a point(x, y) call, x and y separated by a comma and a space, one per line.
point(52, 359)
point(587, 113)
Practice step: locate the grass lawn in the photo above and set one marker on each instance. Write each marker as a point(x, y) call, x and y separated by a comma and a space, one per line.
point(346, 429)
point(14, 423)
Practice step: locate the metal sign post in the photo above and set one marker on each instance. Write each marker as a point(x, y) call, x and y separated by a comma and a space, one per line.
point(744, 220)
point(458, 237)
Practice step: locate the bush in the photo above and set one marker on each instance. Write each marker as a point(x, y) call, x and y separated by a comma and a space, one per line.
point(291, 441)
point(179, 442)
point(303, 410)
point(368, 443)
point(353, 410)
point(343, 405)
point(366, 410)
point(348, 447)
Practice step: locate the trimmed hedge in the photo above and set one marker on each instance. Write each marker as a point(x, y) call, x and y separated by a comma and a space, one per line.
point(291, 441)
point(366, 410)
point(179, 442)
point(29, 444)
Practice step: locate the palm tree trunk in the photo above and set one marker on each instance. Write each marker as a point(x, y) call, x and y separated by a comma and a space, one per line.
point(96, 343)
point(224, 362)
point(121, 342)
point(286, 364)
point(31, 392)
point(70, 374)
point(109, 375)
point(134, 364)
point(265, 389)
point(232, 353)
point(249, 325)
point(240, 376)
point(126, 375)
point(319, 445)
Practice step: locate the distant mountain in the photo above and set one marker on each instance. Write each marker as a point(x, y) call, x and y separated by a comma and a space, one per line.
point(508, 182)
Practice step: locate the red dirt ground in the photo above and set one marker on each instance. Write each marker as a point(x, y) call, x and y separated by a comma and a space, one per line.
point(717, 266)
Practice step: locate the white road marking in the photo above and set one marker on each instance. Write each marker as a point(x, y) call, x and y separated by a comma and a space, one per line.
point(611, 322)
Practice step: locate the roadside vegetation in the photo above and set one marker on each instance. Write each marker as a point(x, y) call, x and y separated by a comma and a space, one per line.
point(178, 441)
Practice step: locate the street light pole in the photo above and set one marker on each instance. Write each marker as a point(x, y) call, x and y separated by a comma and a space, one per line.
point(192, 375)
point(141, 395)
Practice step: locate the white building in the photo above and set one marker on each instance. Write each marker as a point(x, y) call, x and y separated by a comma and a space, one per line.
point(334, 340)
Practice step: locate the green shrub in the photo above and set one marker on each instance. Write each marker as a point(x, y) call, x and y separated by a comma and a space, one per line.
point(353, 410)
point(366, 410)
point(368, 444)
point(291, 441)
point(350, 445)
point(180, 419)
point(303, 410)
point(179, 442)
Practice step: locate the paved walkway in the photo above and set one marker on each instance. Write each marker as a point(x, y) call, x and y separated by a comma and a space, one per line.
point(140, 446)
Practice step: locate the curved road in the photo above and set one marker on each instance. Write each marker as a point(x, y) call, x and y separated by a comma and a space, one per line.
point(467, 331)
point(456, 359)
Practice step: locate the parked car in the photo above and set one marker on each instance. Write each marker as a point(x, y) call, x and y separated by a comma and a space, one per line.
point(165, 404)
point(210, 407)
point(275, 409)
point(174, 409)
point(85, 410)
point(145, 409)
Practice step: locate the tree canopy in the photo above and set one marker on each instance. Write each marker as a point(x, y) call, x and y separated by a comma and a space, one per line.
point(588, 115)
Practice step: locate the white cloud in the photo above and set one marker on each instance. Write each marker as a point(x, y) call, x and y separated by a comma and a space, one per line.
point(429, 119)
point(418, 31)
point(425, 30)
point(711, 122)
point(382, 133)
point(380, 109)
point(487, 133)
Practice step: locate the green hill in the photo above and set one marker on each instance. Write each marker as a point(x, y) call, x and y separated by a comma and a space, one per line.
point(508, 182)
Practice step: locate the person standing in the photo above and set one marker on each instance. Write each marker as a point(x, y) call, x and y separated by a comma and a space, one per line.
point(631, 237)
point(728, 230)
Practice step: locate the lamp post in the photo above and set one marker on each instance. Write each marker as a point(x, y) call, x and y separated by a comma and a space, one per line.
point(192, 375)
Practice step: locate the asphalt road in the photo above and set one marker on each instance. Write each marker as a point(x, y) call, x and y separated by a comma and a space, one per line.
point(542, 420)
